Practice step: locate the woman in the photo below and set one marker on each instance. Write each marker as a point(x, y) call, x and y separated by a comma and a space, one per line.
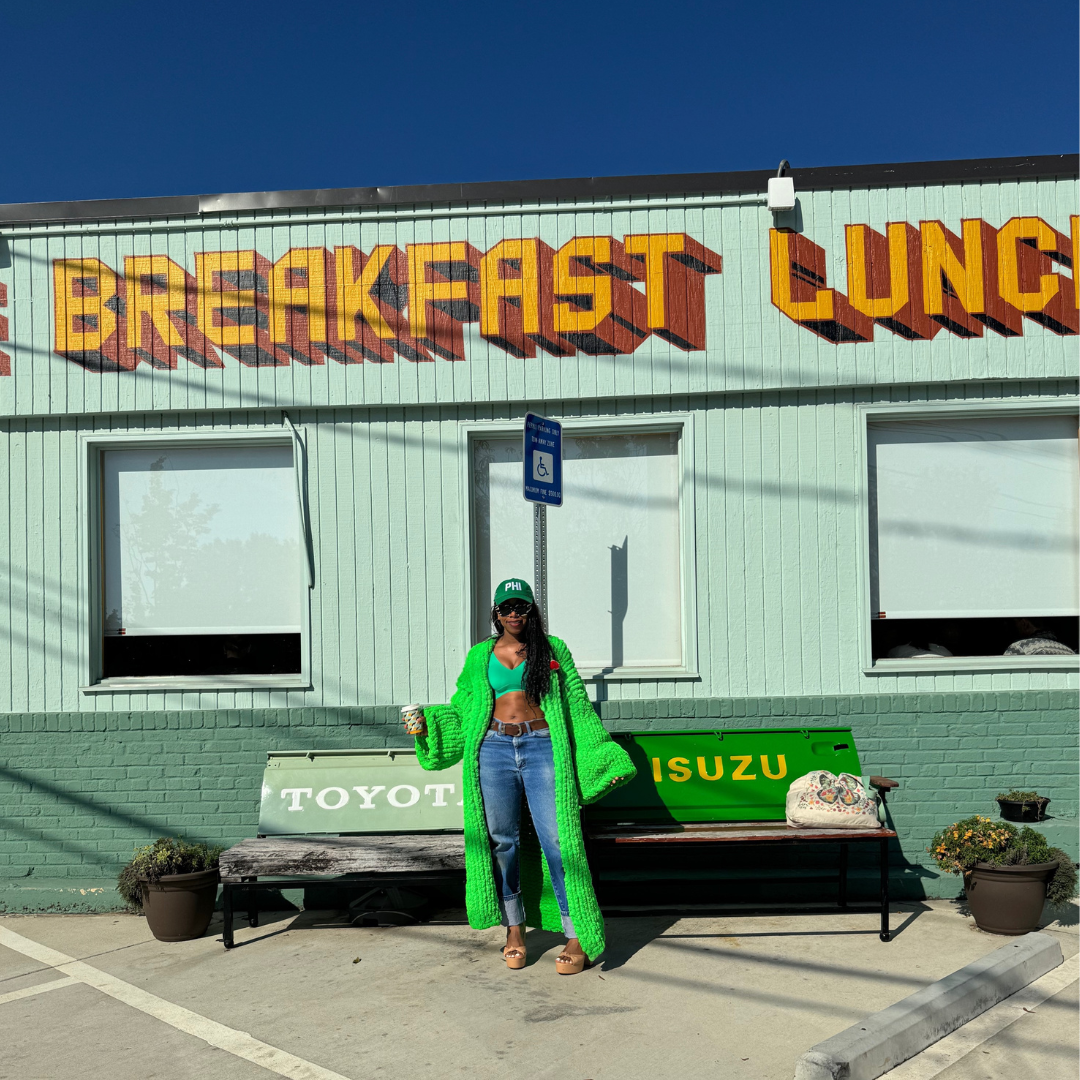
point(521, 723)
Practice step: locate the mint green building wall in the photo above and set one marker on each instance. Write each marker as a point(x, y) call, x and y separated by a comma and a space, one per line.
point(84, 776)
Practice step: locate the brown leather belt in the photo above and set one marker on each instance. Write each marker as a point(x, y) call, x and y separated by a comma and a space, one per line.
point(517, 729)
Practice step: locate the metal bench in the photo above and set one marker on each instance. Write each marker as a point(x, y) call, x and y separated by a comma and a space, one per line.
point(375, 817)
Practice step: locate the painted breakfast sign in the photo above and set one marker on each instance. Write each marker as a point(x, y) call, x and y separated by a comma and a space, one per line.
point(597, 295)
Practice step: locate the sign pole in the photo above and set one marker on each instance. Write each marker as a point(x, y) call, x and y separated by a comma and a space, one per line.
point(542, 486)
point(540, 558)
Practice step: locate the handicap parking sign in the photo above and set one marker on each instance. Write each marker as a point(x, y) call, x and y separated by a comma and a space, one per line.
point(542, 459)
point(543, 467)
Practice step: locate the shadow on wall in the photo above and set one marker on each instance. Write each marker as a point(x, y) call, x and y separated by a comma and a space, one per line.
point(620, 600)
point(100, 813)
point(620, 603)
point(30, 799)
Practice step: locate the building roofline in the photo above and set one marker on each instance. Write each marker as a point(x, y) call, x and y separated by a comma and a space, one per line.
point(528, 191)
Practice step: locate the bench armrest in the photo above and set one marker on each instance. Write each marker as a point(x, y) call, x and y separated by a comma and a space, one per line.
point(883, 783)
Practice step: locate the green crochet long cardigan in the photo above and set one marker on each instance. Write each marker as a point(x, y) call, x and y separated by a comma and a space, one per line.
point(586, 762)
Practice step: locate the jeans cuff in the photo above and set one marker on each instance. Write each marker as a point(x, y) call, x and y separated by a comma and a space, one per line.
point(513, 911)
point(568, 927)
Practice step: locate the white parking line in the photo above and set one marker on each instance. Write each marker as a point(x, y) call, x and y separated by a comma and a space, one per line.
point(30, 991)
point(937, 1058)
point(238, 1043)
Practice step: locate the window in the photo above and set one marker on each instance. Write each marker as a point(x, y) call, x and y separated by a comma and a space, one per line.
point(973, 539)
point(199, 563)
point(617, 551)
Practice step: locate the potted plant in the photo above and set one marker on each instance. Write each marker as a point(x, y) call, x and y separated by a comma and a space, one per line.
point(1022, 806)
point(175, 885)
point(1008, 873)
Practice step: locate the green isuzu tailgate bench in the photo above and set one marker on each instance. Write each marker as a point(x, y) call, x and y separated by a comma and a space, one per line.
point(716, 786)
point(376, 816)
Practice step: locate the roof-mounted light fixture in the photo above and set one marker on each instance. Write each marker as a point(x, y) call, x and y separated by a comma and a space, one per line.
point(781, 190)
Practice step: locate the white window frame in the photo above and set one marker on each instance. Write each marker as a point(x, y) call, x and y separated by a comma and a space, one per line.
point(92, 570)
point(869, 414)
point(681, 423)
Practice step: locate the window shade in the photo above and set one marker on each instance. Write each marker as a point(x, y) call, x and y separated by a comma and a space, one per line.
point(614, 565)
point(201, 540)
point(974, 517)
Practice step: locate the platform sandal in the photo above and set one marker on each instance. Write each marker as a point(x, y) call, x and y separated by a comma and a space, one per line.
point(514, 963)
point(566, 965)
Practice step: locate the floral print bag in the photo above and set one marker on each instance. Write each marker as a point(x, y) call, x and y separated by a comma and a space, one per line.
point(823, 800)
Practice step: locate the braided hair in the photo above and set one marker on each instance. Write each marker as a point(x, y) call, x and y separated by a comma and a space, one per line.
point(537, 653)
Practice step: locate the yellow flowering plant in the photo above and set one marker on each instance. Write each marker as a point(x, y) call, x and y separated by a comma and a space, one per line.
point(980, 839)
point(975, 839)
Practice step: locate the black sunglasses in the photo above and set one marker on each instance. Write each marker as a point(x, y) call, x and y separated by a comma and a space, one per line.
point(514, 607)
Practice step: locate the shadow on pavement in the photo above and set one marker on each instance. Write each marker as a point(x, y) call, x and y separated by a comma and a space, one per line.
point(916, 909)
point(626, 935)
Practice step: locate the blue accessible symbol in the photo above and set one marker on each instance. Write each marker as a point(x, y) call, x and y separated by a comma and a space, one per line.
point(542, 458)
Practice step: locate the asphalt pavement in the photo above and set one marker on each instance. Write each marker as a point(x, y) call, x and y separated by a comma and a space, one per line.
point(310, 997)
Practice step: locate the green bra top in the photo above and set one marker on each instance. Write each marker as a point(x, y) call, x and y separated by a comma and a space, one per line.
point(505, 680)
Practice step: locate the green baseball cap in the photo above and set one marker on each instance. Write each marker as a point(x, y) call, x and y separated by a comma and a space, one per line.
point(513, 589)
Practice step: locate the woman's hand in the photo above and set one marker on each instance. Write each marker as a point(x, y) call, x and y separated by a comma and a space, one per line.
point(617, 780)
point(415, 724)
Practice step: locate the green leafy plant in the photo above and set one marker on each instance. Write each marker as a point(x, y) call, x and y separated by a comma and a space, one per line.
point(1020, 796)
point(1030, 848)
point(980, 839)
point(169, 855)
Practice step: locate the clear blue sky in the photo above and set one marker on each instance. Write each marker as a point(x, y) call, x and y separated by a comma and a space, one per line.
point(116, 98)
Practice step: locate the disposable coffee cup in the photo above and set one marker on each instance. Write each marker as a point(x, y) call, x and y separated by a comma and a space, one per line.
point(413, 717)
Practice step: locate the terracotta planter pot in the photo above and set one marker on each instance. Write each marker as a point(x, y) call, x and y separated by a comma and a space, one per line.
point(1007, 899)
point(179, 906)
point(1015, 810)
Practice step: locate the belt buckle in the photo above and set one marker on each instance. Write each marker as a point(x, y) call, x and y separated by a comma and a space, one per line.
point(519, 729)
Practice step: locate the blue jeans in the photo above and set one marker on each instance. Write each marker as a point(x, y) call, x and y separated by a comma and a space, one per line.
point(512, 766)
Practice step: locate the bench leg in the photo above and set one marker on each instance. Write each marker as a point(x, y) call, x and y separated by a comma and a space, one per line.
point(252, 905)
point(842, 892)
point(886, 933)
point(227, 914)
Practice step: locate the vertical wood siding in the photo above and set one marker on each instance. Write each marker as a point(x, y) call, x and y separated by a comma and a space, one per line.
point(750, 344)
point(776, 534)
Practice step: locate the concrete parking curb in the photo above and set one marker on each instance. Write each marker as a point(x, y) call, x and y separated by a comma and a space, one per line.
point(885, 1039)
